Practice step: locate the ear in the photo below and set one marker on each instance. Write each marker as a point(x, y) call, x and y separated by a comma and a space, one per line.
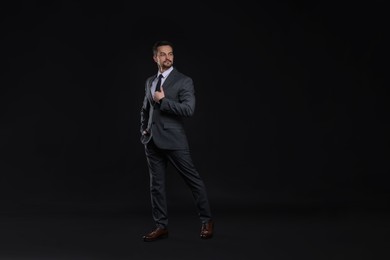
point(155, 58)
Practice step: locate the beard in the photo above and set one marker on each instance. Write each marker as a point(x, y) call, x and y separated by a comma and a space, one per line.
point(167, 64)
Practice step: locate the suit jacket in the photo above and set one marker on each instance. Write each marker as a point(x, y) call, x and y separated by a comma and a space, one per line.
point(164, 122)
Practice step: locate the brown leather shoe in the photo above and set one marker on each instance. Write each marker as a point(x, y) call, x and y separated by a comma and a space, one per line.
point(158, 233)
point(207, 230)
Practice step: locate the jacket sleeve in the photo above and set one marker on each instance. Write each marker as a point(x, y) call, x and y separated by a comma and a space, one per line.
point(145, 111)
point(185, 106)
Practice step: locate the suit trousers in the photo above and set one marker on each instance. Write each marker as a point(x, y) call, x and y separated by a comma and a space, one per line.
point(157, 160)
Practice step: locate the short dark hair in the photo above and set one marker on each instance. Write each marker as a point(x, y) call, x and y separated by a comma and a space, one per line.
point(160, 43)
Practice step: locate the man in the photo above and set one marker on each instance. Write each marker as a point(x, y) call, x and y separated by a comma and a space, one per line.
point(167, 102)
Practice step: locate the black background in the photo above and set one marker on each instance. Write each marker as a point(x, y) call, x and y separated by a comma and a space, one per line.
point(291, 104)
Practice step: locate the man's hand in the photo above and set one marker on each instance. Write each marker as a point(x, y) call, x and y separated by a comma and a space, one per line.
point(158, 95)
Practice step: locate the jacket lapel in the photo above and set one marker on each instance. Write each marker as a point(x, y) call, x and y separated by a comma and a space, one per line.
point(170, 79)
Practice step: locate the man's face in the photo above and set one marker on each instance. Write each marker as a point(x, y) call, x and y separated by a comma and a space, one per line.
point(164, 57)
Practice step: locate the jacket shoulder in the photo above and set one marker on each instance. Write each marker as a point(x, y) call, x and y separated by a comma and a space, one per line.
point(177, 74)
point(150, 78)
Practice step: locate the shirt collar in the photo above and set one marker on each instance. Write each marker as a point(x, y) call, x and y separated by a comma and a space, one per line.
point(165, 73)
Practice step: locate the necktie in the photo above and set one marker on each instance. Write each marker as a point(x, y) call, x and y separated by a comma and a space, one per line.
point(159, 82)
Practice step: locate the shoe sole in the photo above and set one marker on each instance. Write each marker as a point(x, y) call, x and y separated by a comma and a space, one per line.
point(151, 240)
point(206, 237)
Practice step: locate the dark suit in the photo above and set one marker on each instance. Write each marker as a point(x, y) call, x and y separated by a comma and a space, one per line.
point(166, 141)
